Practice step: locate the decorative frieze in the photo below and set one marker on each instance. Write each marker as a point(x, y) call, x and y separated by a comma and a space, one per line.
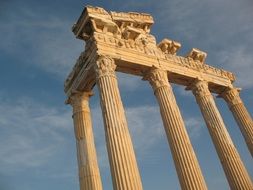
point(130, 32)
point(105, 66)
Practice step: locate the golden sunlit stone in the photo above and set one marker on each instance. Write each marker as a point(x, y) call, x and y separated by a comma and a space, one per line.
point(122, 42)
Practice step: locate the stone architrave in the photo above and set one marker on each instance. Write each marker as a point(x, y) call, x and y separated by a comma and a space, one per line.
point(236, 173)
point(89, 175)
point(186, 163)
point(123, 164)
point(241, 115)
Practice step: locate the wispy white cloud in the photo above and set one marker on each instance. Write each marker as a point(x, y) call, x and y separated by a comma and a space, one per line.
point(194, 127)
point(239, 61)
point(34, 135)
point(181, 91)
point(129, 82)
point(31, 134)
point(146, 128)
point(44, 41)
point(221, 28)
point(195, 19)
point(53, 48)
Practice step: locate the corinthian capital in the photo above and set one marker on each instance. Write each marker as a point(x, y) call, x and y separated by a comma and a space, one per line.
point(105, 66)
point(197, 55)
point(231, 96)
point(80, 101)
point(157, 78)
point(200, 88)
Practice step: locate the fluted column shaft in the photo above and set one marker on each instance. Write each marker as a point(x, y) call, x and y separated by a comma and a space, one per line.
point(123, 164)
point(241, 115)
point(89, 175)
point(187, 166)
point(237, 176)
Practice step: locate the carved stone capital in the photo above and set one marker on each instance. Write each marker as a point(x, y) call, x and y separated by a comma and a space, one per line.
point(80, 101)
point(105, 66)
point(197, 55)
point(169, 46)
point(231, 96)
point(200, 89)
point(157, 78)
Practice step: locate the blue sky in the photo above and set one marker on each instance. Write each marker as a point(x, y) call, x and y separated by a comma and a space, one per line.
point(38, 50)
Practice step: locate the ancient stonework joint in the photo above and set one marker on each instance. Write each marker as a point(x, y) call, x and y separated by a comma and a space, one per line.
point(105, 66)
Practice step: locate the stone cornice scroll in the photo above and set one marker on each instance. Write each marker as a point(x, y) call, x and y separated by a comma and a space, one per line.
point(231, 96)
point(105, 66)
point(157, 78)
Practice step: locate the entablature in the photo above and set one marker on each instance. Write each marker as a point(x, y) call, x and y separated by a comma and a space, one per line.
point(126, 38)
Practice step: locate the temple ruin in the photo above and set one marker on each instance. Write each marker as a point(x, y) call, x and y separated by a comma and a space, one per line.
point(122, 42)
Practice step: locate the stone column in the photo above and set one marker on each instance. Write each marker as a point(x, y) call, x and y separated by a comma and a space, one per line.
point(241, 115)
point(235, 171)
point(89, 175)
point(186, 163)
point(123, 164)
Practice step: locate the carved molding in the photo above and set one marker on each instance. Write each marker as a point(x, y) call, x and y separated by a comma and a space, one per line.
point(231, 96)
point(130, 32)
point(84, 27)
point(197, 55)
point(157, 78)
point(200, 89)
point(105, 66)
point(80, 101)
point(77, 67)
point(146, 44)
point(169, 46)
